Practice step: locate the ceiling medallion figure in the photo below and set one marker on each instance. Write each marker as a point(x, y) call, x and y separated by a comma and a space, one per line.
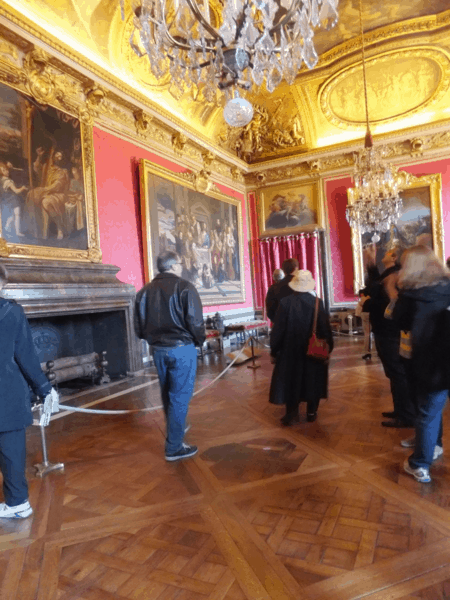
point(375, 201)
point(250, 42)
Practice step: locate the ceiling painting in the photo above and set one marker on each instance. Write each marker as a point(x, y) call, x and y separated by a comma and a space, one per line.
point(398, 84)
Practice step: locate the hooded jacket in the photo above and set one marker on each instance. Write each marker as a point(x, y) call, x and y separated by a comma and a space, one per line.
point(169, 312)
point(424, 313)
point(19, 368)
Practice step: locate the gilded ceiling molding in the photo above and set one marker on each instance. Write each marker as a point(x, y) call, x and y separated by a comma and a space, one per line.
point(410, 27)
point(416, 78)
point(344, 161)
point(271, 129)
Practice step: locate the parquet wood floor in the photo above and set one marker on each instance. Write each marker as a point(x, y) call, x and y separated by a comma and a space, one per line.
point(316, 511)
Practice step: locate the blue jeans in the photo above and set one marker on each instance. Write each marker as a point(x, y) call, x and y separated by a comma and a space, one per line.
point(12, 466)
point(428, 429)
point(177, 367)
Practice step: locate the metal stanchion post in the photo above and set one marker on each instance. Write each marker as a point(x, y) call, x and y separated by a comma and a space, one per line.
point(45, 466)
point(253, 366)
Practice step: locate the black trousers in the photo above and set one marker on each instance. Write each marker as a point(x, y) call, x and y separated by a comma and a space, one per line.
point(394, 368)
point(12, 466)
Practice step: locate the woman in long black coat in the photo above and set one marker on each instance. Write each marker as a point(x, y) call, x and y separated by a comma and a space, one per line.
point(421, 310)
point(19, 369)
point(296, 377)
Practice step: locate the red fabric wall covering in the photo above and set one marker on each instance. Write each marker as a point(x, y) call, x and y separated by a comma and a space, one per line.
point(117, 178)
point(340, 244)
point(340, 241)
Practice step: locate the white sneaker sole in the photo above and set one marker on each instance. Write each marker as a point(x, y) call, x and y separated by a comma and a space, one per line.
point(411, 471)
point(21, 514)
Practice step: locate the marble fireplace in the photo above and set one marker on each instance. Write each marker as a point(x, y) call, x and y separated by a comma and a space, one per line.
point(76, 308)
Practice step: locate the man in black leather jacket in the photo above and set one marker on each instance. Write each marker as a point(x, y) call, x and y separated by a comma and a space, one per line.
point(169, 315)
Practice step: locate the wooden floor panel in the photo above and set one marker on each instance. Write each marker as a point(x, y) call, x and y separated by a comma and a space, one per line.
point(315, 511)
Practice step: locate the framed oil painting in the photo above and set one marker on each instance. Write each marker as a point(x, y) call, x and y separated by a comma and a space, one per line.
point(47, 196)
point(204, 229)
point(419, 223)
point(287, 209)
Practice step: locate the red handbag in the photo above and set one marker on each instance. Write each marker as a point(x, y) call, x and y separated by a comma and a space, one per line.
point(317, 348)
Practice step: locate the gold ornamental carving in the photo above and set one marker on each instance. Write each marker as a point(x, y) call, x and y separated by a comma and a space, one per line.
point(178, 142)
point(142, 122)
point(266, 132)
point(400, 84)
point(4, 248)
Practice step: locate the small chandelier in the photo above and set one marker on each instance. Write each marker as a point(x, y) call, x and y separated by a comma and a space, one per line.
point(229, 44)
point(376, 204)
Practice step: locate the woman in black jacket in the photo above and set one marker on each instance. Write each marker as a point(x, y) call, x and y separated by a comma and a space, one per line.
point(296, 377)
point(421, 312)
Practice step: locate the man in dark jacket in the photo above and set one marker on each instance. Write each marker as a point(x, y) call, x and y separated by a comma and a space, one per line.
point(169, 315)
point(19, 369)
point(280, 290)
point(381, 289)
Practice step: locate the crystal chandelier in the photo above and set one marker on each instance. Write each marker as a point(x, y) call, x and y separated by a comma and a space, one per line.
point(375, 201)
point(229, 44)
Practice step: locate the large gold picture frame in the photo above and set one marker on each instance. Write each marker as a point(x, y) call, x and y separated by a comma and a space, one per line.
point(205, 229)
point(421, 216)
point(48, 205)
point(290, 208)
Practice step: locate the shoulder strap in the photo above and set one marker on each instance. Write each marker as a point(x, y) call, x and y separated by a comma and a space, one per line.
point(316, 310)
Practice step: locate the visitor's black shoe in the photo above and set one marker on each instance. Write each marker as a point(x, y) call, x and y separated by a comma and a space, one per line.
point(311, 417)
point(184, 452)
point(389, 415)
point(367, 356)
point(289, 419)
point(398, 424)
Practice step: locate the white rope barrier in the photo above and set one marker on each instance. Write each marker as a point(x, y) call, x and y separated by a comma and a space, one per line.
point(92, 411)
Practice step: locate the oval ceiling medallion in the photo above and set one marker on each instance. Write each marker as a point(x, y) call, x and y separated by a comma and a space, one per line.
point(398, 84)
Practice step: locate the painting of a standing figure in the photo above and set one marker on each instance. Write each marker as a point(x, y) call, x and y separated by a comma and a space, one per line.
point(42, 193)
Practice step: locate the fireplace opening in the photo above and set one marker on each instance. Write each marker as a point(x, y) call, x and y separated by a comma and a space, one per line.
point(78, 334)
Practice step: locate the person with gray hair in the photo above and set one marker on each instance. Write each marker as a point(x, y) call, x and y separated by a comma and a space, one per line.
point(20, 369)
point(277, 275)
point(169, 315)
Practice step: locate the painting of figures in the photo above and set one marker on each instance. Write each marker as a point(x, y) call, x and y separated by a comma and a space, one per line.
point(42, 191)
point(205, 231)
point(420, 222)
point(288, 209)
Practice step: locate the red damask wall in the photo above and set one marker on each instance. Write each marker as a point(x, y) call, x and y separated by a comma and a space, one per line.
point(340, 246)
point(117, 178)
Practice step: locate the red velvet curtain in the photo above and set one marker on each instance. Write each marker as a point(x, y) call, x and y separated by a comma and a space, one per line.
point(305, 247)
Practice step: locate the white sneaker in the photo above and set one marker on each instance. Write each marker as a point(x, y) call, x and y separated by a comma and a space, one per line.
point(421, 474)
point(438, 451)
point(21, 511)
point(409, 443)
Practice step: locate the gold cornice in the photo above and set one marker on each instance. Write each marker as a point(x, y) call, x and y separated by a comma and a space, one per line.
point(429, 145)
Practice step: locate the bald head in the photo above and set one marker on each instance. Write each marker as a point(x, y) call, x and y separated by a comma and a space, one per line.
point(278, 275)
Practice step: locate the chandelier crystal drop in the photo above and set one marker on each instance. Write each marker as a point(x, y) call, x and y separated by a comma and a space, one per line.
point(375, 201)
point(228, 44)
